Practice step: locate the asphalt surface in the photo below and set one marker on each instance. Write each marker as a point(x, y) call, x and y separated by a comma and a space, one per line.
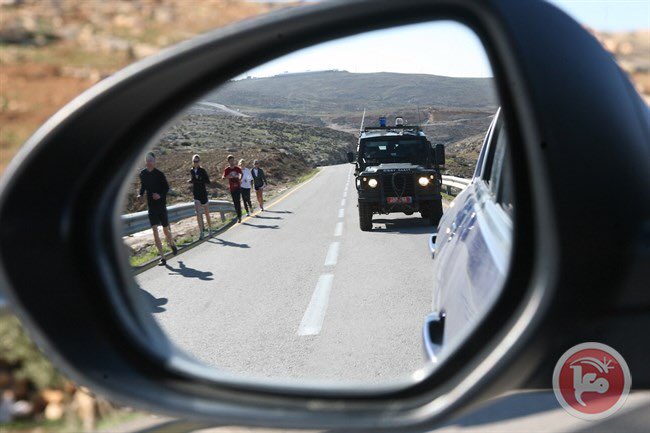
point(299, 291)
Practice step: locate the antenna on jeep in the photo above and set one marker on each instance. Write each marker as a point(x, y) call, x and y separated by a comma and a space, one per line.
point(419, 119)
point(362, 119)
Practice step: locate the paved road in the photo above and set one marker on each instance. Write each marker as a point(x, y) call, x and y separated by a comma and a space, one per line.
point(298, 291)
point(223, 108)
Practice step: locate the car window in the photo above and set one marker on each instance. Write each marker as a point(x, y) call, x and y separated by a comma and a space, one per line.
point(498, 172)
point(497, 160)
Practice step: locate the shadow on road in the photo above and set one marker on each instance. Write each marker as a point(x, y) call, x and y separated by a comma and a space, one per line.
point(277, 211)
point(154, 304)
point(189, 272)
point(261, 226)
point(225, 243)
point(268, 217)
point(413, 226)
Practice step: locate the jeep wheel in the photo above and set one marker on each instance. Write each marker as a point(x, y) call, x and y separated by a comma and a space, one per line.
point(365, 217)
point(436, 212)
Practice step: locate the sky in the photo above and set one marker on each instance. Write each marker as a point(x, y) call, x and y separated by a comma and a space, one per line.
point(608, 15)
point(453, 50)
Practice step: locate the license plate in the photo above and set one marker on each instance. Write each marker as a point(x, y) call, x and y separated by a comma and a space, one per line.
point(392, 200)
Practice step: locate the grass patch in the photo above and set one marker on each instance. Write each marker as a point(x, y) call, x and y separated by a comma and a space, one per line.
point(151, 253)
point(305, 177)
point(30, 426)
point(447, 197)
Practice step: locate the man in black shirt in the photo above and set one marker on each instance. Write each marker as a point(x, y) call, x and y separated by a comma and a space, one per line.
point(199, 179)
point(153, 181)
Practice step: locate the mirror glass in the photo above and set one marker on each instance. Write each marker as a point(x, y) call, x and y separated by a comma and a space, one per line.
point(344, 241)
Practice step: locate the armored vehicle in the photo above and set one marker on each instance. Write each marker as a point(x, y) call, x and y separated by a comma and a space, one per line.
point(397, 170)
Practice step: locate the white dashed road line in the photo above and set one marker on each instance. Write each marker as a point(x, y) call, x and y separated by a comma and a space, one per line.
point(338, 231)
point(332, 254)
point(312, 321)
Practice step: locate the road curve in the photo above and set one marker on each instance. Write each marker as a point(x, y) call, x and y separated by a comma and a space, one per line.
point(298, 291)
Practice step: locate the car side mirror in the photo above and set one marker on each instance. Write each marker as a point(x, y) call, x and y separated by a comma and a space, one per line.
point(71, 285)
point(439, 154)
point(350, 156)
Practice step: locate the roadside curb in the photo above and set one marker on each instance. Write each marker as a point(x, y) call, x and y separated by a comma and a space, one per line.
point(154, 262)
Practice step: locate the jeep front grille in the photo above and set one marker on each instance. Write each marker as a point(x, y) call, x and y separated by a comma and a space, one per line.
point(402, 180)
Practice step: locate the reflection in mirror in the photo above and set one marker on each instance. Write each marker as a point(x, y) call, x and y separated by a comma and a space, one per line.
point(293, 206)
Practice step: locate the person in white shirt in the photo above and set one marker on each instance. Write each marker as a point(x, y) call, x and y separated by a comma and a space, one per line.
point(246, 184)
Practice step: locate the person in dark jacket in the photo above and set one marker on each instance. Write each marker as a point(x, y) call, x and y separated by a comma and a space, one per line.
point(233, 174)
point(199, 179)
point(259, 182)
point(154, 183)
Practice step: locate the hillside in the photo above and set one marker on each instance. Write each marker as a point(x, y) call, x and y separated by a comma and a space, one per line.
point(341, 91)
point(286, 151)
point(451, 110)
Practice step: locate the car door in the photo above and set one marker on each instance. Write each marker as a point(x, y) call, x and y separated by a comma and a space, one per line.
point(474, 241)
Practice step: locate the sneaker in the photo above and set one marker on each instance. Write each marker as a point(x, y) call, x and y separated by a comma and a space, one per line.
point(248, 214)
point(262, 209)
point(174, 249)
point(163, 262)
point(238, 220)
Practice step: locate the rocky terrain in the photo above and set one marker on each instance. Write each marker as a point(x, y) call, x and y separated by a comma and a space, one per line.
point(52, 50)
point(286, 151)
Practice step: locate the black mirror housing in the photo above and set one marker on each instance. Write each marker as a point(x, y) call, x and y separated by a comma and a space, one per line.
point(78, 306)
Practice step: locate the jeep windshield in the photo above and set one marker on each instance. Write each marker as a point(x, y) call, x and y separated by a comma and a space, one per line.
point(400, 149)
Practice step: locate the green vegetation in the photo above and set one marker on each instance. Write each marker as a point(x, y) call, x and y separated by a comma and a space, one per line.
point(305, 177)
point(150, 253)
point(17, 349)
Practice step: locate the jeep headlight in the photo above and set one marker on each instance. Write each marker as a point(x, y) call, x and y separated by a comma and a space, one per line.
point(423, 181)
point(372, 183)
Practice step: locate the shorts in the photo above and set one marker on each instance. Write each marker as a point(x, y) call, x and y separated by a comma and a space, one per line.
point(202, 200)
point(257, 188)
point(158, 216)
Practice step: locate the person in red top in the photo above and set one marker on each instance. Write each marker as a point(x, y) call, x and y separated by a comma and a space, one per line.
point(234, 175)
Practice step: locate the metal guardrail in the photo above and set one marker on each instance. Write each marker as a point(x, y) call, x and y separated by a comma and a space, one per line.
point(139, 221)
point(455, 182)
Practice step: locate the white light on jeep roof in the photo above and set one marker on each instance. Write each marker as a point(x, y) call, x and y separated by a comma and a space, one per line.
point(372, 183)
point(423, 181)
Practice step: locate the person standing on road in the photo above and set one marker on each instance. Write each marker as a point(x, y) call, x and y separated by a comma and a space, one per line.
point(199, 179)
point(259, 181)
point(155, 184)
point(234, 174)
point(246, 180)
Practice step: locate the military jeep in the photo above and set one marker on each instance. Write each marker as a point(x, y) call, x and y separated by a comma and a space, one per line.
point(397, 170)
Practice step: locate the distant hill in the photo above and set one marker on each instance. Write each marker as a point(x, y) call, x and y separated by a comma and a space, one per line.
point(341, 91)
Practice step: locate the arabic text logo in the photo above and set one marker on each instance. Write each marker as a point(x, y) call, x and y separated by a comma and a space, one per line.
point(591, 381)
